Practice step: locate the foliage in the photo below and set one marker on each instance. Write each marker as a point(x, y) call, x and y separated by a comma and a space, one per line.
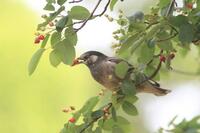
point(185, 126)
point(152, 39)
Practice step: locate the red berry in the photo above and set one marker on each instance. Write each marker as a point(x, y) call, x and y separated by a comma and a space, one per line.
point(72, 120)
point(162, 58)
point(172, 56)
point(189, 5)
point(37, 40)
point(41, 37)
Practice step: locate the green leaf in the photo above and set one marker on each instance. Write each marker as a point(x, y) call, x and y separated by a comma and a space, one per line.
point(178, 20)
point(61, 2)
point(127, 43)
point(55, 38)
point(121, 69)
point(71, 36)
point(128, 87)
point(166, 45)
point(51, 1)
point(66, 52)
point(49, 7)
point(146, 54)
point(114, 114)
point(35, 60)
point(122, 121)
point(108, 124)
point(117, 129)
point(164, 3)
point(79, 13)
point(129, 108)
point(97, 114)
point(131, 99)
point(98, 130)
point(60, 25)
point(112, 4)
point(186, 33)
point(54, 58)
point(44, 42)
point(90, 104)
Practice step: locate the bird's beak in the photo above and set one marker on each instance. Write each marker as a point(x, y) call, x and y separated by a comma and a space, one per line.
point(77, 61)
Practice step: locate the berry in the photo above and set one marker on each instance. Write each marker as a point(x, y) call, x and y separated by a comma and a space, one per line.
point(189, 5)
point(162, 58)
point(172, 56)
point(41, 37)
point(51, 24)
point(37, 40)
point(72, 120)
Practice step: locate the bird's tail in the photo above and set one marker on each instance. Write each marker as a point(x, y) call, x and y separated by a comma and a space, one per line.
point(154, 89)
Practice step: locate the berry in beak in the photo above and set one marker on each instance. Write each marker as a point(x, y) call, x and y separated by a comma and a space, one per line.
point(77, 61)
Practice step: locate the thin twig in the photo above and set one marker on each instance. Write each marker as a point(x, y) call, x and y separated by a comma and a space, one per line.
point(156, 71)
point(109, 105)
point(75, 1)
point(91, 15)
point(105, 9)
point(170, 8)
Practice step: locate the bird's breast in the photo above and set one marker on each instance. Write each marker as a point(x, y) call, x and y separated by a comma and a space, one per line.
point(105, 75)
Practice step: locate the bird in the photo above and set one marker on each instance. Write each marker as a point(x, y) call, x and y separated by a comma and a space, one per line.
point(102, 69)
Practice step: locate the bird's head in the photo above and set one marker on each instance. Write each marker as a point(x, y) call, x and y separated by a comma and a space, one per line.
point(89, 58)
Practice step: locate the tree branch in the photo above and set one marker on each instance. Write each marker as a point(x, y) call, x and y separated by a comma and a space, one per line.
point(75, 1)
point(91, 15)
point(109, 105)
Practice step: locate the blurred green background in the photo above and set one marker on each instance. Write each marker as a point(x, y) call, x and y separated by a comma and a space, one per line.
point(34, 104)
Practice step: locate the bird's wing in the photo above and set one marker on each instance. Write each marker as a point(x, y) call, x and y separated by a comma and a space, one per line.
point(115, 60)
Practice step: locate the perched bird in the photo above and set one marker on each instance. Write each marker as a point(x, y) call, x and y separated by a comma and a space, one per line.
point(102, 69)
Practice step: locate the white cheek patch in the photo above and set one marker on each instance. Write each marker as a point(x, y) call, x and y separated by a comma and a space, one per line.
point(93, 58)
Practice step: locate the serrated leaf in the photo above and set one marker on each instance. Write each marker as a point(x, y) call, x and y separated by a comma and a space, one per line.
point(66, 52)
point(54, 58)
point(129, 108)
point(79, 13)
point(60, 25)
point(117, 129)
point(35, 60)
point(61, 2)
point(121, 69)
point(112, 4)
point(44, 42)
point(49, 7)
point(55, 38)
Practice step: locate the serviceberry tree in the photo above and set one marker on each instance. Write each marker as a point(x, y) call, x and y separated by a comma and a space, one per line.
point(153, 39)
